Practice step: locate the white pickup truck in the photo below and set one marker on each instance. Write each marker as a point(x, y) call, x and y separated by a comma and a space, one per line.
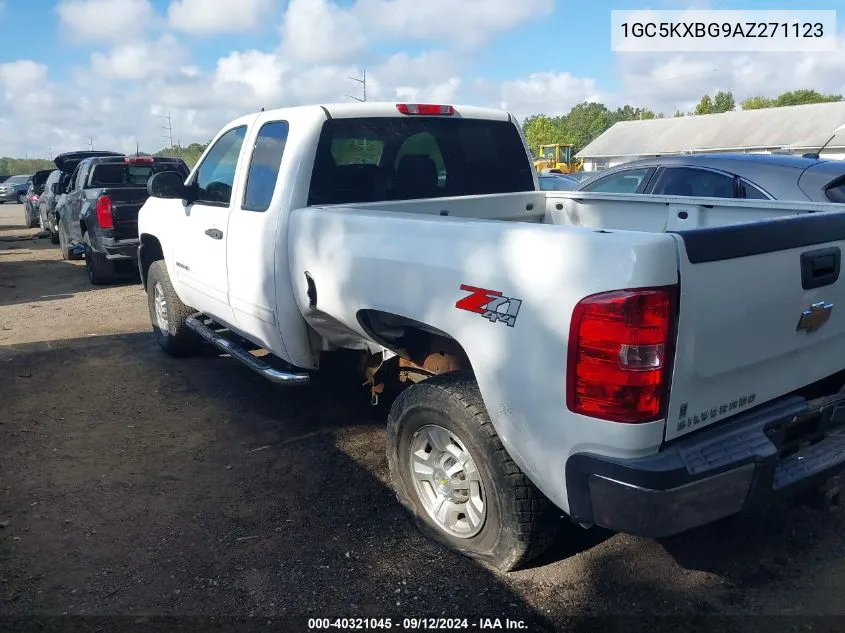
point(646, 364)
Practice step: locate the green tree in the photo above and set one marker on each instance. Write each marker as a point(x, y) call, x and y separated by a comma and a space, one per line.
point(723, 101)
point(801, 97)
point(756, 103)
point(190, 154)
point(678, 114)
point(18, 166)
point(543, 130)
point(705, 106)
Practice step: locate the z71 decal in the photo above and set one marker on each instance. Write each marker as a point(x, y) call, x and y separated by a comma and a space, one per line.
point(490, 304)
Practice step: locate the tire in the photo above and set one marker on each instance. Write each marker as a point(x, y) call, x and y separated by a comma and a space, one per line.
point(54, 236)
point(518, 522)
point(173, 336)
point(63, 243)
point(100, 270)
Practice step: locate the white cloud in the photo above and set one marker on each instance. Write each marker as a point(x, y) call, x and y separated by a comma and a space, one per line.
point(206, 17)
point(322, 31)
point(318, 31)
point(669, 82)
point(544, 92)
point(139, 60)
point(98, 20)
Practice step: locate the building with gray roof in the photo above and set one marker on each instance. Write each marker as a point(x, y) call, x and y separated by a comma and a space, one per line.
point(791, 129)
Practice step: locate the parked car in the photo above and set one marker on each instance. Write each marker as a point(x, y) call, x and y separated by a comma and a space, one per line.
point(33, 195)
point(556, 182)
point(14, 189)
point(749, 176)
point(644, 381)
point(59, 181)
point(98, 216)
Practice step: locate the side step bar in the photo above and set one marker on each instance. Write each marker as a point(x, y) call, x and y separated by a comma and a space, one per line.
point(237, 352)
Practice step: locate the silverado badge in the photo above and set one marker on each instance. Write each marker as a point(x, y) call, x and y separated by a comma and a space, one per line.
point(812, 319)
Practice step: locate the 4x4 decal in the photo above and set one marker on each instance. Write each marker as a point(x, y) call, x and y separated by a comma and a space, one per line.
point(490, 304)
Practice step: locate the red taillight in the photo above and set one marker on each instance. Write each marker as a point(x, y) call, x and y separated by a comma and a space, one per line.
point(425, 108)
point(620, 354)
point(104, 216)
point(146, 160)
point(34, 197)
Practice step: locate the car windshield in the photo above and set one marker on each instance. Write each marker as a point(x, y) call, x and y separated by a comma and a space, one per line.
point(557, 183)
point(17, 180)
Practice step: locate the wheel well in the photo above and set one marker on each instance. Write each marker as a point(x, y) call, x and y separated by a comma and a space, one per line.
point(149, 252)
point(423, 350)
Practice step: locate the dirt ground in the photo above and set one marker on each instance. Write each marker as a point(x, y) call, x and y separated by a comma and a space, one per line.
point(133, 484)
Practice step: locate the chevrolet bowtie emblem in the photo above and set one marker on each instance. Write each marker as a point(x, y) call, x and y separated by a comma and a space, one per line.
point(812, 319)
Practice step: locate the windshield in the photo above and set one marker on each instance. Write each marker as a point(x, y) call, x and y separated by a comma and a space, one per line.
point(376, 159)
point(124, 174)
point(17, 180)
point(548, 152)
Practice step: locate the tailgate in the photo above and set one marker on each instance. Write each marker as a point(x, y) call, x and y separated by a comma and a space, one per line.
point(126, 203)
point(762, 313)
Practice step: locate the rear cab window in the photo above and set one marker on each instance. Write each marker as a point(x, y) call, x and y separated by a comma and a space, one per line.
point(121, 173)
point(377, 159)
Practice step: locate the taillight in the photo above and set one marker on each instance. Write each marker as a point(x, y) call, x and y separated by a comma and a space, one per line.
point(425, 108)
point(620, 354)
point(145, 160)
point(104, 216)
point(34, 198)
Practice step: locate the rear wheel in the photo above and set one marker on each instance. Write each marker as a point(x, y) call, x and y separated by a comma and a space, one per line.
point(21, 198)
point(168, 314)
point(99, 269)
point(451, 472)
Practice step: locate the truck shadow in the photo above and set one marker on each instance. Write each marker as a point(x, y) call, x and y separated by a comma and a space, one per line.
point(141, 484)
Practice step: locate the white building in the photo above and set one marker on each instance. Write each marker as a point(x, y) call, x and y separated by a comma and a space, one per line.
point(790, 129)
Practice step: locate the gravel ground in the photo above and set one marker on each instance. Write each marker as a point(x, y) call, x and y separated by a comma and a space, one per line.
point(133, 484)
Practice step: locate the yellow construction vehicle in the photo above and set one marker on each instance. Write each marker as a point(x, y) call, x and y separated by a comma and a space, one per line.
point(558, 157)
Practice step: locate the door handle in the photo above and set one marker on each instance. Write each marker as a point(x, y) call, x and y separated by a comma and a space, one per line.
point(820, 268)
point(215, 234)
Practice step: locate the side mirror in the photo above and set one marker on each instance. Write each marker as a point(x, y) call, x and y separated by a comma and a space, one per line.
point(168, 184)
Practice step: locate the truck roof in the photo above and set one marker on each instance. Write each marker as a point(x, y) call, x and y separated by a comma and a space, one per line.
point(368, 109)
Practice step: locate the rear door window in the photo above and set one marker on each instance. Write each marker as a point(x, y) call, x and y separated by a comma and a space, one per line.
point(264, 165)
point(689, 181)
point(393, 158)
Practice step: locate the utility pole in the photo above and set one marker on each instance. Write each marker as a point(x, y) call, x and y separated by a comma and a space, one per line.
point(168, 127)
point(363, 83)
point(50, 151)
point(91, 142)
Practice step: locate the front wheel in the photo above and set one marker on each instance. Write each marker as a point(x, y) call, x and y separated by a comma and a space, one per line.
point(453, 475)
point(168, 314)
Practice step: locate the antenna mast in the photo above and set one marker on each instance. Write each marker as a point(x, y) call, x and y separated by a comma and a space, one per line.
point(363, 83)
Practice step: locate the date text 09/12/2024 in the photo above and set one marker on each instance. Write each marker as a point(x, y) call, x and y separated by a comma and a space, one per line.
point(417, 624)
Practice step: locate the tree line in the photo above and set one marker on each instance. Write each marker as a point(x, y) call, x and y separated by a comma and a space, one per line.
point(588, 120)
point(20, 166)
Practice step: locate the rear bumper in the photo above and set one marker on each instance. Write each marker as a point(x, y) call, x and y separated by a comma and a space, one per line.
point(772, 452)
point(119, 249)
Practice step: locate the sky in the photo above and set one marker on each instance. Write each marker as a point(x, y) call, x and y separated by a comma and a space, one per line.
point(108, 71)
